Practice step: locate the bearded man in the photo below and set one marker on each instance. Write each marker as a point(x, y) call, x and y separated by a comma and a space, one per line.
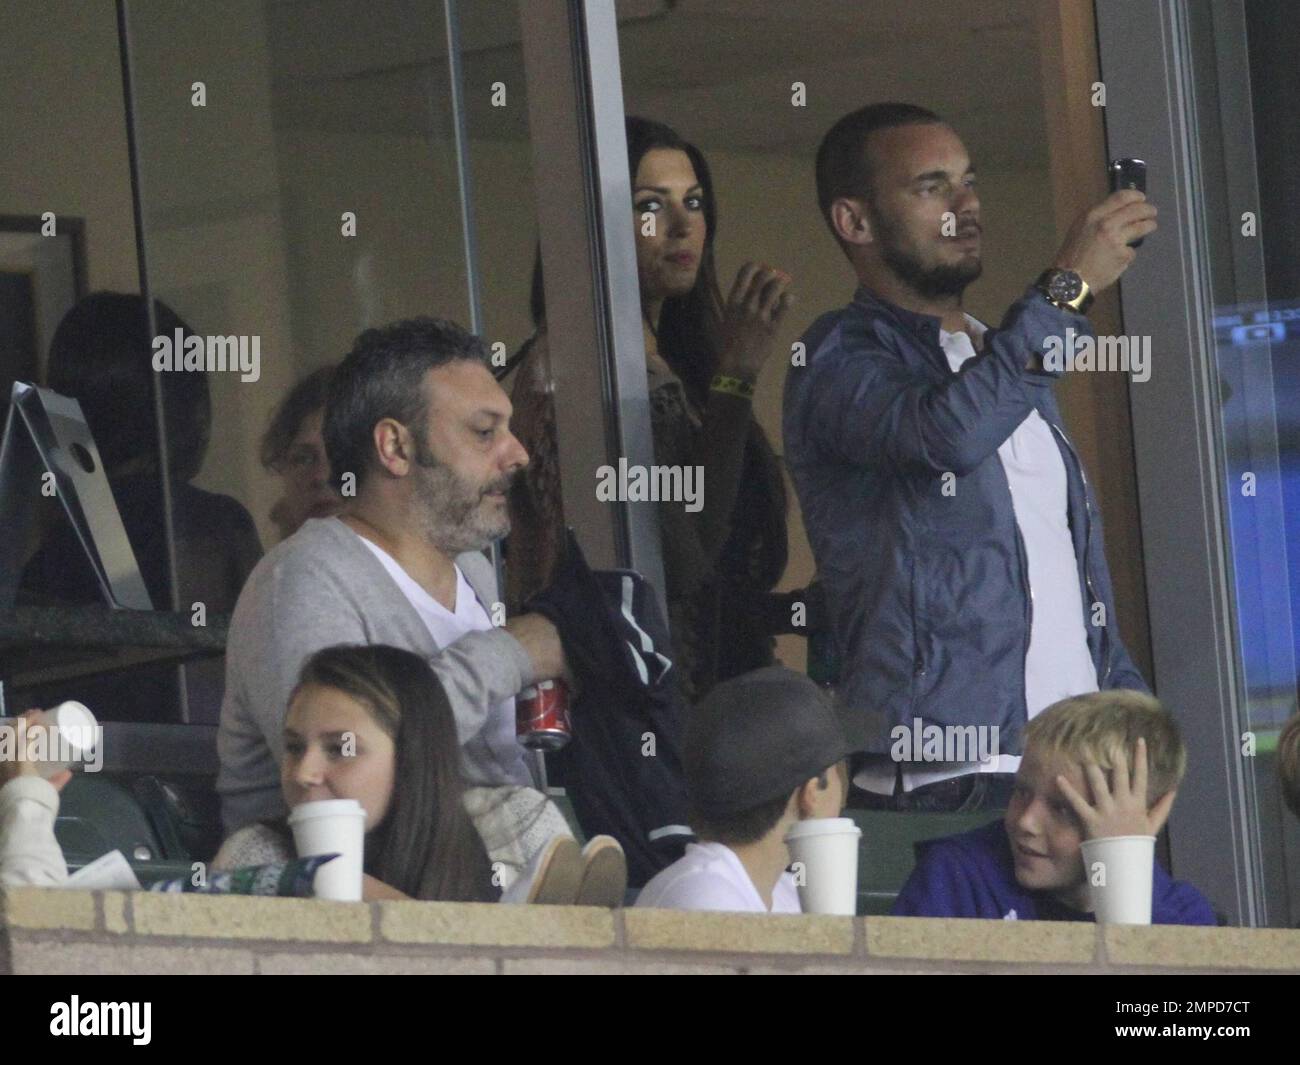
point(418, 437)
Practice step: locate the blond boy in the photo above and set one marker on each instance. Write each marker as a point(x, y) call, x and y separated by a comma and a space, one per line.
point(1097, 765)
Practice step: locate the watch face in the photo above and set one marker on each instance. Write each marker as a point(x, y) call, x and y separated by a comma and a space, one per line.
point(1065, 285)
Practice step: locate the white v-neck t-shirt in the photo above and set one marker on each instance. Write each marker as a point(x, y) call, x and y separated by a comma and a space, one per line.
point(446, 627)
point(1058, 663)
point(709, 876)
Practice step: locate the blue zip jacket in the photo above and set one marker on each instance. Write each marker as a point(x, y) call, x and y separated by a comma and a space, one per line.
point(974, 875)
point(928, 591)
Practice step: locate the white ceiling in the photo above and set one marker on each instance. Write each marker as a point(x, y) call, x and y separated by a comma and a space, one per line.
point(718, 70)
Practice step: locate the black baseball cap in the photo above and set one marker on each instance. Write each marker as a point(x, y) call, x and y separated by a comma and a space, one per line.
point(757, 737)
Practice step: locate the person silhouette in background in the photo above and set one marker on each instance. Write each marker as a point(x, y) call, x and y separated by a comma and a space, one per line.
point(294, 448)
point(102, 356)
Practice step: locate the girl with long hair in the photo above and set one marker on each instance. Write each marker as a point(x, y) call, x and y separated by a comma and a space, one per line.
point(373, 723)
point(368, 723)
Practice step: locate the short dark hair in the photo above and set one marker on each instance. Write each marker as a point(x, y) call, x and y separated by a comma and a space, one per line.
point(843, 163)
point(304, 399)
point(380, 378)
point(747, 826)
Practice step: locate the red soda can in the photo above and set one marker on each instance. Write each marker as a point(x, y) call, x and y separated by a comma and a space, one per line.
point(542, 716)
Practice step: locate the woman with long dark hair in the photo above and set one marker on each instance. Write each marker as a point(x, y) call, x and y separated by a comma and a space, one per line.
point(703, 356)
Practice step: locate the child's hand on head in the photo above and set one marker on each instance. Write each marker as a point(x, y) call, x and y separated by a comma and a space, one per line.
point(1119, 806)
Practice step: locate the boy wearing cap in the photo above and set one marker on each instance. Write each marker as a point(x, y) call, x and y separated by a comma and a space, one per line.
point(1029, 866)
point(762, 751)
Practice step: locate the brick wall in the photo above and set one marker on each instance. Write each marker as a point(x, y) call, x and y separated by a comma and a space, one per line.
point(79, 932)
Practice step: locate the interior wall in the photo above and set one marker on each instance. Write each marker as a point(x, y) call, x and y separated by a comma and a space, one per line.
point(214, 223)
point(1095, 406)
point(62, 131)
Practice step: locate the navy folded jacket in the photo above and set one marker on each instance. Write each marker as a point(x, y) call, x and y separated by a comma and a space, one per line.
point(623, 767)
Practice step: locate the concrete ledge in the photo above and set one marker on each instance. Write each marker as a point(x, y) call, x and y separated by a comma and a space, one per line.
point(491, 925)
point(236, 917)
point(738, 933)
point(46, 930)
point(48, 908)
point(1218, 948)
point(338, 964)
point(603, 967)
point(114, 905)
point(36, 958)
point(952, 939)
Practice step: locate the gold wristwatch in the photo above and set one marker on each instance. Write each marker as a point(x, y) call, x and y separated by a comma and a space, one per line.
point(1065, 289)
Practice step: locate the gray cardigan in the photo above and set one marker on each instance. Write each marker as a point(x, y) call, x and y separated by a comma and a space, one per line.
point(323, 586)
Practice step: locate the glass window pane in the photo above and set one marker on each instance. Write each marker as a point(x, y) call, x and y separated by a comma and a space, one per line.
point(72, 320)
point(1249, 146)
point(299, 185)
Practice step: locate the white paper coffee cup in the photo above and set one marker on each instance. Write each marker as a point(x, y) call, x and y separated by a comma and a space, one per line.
point(824, 854)
point(1119, 871)
point(73, 733)
point(68, 735)
point(332, 826)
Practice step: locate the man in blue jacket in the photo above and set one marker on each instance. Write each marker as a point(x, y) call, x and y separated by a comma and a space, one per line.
point(954, 530)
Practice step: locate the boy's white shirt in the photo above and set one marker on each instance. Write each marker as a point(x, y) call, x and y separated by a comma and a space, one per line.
point(29, 853)
point(709, 876)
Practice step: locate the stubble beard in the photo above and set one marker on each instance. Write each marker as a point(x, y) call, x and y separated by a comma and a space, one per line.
point(451, 512)
point(935, 281)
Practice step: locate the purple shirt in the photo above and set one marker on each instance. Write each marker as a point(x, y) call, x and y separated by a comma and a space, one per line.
point(973, 874)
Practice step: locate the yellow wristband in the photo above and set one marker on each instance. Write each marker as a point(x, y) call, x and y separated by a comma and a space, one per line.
point(733, 386)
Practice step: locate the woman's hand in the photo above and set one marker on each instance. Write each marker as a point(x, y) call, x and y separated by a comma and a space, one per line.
point(1120, 807)
point(757, 303)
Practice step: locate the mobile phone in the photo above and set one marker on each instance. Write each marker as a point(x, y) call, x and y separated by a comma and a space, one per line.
point(1129, 174)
